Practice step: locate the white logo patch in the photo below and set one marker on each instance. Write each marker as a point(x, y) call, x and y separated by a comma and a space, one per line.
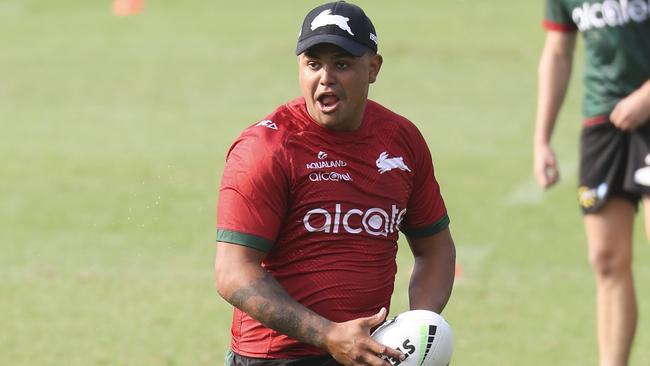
point(384, 163)
point(268, 124)
point(373, 38)
point(642, 175)
point(326, 18)
point(601, 190)
point(322, 155)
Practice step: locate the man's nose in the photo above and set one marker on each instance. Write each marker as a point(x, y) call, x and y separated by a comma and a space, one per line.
point(328, 75)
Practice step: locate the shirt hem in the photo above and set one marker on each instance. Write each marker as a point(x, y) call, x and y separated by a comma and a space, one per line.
point(595, 120)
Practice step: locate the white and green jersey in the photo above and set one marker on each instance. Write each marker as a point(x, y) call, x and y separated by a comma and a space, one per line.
point(617, 46)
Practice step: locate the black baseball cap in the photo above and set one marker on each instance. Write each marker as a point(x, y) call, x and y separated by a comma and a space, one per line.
point(341, 24)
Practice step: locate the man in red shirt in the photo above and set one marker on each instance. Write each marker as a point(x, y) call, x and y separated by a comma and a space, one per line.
point(311, 201)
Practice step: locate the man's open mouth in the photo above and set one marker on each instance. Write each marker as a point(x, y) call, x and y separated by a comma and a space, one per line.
point(328, 102)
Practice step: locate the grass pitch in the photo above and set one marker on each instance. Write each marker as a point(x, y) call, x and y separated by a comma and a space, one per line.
point(114, 132)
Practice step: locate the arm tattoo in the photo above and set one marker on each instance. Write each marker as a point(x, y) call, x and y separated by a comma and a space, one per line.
point(267, 302)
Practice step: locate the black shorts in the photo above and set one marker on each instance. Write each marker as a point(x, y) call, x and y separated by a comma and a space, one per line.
point(613, 163)
point(233, 359)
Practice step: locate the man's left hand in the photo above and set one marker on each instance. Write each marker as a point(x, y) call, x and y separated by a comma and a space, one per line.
point(632, 111)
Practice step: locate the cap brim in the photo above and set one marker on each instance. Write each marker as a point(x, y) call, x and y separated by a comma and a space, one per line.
point(347, 44)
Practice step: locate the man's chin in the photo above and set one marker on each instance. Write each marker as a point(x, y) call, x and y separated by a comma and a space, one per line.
point(328, 121)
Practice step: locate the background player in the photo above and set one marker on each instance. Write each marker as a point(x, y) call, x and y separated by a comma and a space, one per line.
point(614, 144)
point(310, 205)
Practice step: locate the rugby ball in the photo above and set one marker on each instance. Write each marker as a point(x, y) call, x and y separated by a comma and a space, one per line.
point(423, 336)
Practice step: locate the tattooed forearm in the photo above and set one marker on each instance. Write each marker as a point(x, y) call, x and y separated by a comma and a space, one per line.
point(267, 302)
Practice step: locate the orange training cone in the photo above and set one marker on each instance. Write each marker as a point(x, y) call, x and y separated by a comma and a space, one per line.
point(125, 8)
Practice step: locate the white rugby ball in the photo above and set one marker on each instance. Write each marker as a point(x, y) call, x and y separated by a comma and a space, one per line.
point(423, 336)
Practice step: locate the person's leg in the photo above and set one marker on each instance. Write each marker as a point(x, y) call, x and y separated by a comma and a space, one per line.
point(646, 217)
point(609, 235)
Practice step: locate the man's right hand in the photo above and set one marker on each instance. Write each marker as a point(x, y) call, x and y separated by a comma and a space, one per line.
point(545, 166)
point(350, 343)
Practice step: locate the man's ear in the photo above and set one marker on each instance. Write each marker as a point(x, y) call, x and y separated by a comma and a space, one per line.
point(375, 65)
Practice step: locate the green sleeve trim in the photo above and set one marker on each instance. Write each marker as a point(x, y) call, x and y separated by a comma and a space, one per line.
point(429, 230)
point(248, 240)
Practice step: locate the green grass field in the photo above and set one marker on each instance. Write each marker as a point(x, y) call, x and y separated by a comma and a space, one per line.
point(113, 137)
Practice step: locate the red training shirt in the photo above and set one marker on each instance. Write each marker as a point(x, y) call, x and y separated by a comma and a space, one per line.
point(326, 206)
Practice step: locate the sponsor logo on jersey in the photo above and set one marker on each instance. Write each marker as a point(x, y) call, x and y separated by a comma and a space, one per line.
point(610, 13)
point(326, 164)
point(329, 176)
point(385, 164)
point(322, 155)
point(268, 124)
point(374, 221)
point(326, 18)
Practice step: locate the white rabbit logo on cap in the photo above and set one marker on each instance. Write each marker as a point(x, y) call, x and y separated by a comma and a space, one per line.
point(326, 18)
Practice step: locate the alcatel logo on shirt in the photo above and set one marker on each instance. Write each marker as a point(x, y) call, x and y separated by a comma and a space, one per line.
point(610, 13)
point(329, 177)
point(374, 221)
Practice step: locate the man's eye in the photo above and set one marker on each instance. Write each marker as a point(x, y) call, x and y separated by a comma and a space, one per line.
point(342, 65)
point(313, 65)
